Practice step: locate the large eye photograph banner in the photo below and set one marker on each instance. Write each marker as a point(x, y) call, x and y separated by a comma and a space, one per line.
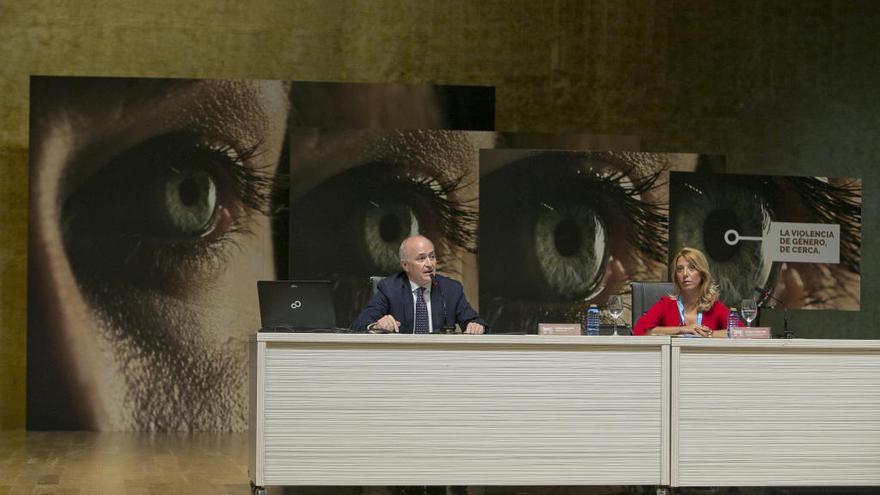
point(560, 230)
point(797, 238)
point(155, 207)
point(357, 194)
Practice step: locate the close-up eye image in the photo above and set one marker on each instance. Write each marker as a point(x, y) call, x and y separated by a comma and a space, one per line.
point(562, 229)
point(162, 211)
point(705, 210)
point(150, 222)
point(356, 195)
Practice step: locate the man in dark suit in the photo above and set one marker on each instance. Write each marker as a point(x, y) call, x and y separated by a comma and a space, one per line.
point(417, 300)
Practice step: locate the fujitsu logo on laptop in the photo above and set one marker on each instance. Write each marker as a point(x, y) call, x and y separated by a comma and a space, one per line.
point(295, 305)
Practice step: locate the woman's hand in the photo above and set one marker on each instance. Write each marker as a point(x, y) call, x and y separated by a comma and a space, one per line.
point(695, 329)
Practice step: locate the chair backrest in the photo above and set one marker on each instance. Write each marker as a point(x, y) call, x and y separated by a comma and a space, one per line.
point(645, 294)
point(374, 283)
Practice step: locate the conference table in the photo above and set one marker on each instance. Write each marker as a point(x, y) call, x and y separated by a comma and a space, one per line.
point(361, 409)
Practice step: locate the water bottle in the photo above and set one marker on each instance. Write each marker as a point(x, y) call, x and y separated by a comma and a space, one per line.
point(591, 322)
point(732, 321)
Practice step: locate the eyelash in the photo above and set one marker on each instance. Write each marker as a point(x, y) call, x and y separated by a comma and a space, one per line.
point(649, 232)
point(835, 205)
point(651, 222)
point(254, 186)
point(456, 219)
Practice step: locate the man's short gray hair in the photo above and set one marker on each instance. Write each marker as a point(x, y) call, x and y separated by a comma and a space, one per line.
point(401, 253)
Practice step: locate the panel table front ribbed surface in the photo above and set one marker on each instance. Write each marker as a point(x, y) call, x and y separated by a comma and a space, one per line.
point(783, 413)
point(462, 414)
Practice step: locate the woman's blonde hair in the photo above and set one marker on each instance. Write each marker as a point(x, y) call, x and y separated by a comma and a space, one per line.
point(708, 290)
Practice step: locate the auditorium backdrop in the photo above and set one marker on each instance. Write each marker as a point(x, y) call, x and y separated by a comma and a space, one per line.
point(156, 204)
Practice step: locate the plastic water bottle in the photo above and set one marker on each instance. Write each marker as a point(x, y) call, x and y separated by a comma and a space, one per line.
point(732, 321)
point(591, 322)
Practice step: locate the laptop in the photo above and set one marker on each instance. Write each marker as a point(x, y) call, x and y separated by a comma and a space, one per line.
point(296, 305)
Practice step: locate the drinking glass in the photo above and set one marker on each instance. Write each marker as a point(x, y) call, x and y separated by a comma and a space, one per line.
point(615, 307)
point(749, 310)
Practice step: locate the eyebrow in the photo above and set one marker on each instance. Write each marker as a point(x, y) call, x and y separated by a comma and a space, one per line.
point(441, 153)
point(633, 165)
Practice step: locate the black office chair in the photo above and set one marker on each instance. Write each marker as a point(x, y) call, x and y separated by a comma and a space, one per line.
point(374, 283)
point(645, 294)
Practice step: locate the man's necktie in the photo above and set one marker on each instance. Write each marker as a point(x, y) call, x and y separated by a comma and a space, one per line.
point(421, 312)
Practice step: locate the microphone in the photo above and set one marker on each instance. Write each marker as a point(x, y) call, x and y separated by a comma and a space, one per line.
point(764, 296)
point(447, 328)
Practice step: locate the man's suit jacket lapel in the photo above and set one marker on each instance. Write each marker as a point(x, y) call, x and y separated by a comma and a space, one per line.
point(408, 304)
point(436, 307)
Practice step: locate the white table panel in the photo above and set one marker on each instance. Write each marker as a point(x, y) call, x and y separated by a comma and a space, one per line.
point(464, 410)
point(777, 413)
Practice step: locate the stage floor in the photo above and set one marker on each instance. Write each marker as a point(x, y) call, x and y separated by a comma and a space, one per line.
point(162, 463)
point(73, 463)
point(123, 463)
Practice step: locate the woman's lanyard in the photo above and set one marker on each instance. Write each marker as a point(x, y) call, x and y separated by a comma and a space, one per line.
point(681, 313)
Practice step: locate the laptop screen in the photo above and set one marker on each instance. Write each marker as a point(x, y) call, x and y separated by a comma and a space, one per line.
point(296, 305)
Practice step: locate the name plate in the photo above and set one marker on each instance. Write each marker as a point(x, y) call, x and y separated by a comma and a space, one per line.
point(750, 333)
point(559, 329)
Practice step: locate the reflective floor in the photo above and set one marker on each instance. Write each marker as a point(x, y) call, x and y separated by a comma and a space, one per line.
point(122, 463)
point(216, 464)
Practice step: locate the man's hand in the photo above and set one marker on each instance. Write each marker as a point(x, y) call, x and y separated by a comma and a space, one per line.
point(474, 328)
point(387, 323)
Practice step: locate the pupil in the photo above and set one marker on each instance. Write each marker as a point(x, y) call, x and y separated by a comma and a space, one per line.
point(716, 224)
point(567, 237)
point(389, 227)
point(188, 192)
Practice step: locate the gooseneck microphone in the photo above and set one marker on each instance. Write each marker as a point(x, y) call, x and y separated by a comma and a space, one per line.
point(764, 296)
point(446, 327)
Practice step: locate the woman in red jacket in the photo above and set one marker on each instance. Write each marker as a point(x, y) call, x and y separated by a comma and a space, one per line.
point(693, 308)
